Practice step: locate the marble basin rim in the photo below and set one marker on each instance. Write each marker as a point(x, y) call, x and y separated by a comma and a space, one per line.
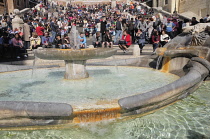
point(74, 55)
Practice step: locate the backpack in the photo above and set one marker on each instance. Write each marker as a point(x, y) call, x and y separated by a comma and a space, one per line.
point(156, 23)
point(131, 26)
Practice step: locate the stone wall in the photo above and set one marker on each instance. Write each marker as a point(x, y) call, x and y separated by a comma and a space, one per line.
point(10, 5)
point(169, 7)
point(197, 8)
point(1, 8)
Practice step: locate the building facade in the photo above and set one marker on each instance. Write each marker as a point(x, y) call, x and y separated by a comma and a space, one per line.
point(8, 6)
point(2, 6)
point(198, 8)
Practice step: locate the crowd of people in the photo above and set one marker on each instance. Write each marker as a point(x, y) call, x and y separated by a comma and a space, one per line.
point(49, 26)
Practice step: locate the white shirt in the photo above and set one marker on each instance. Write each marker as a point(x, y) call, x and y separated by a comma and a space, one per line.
point(208, 18)
point(163, 36)
point(138, 7)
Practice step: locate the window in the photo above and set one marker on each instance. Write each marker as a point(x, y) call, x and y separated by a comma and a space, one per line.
point(166, 2)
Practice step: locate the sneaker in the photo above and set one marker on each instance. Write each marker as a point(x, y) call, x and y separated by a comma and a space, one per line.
point(25, 56)
point(153, 53)
point(126, 51)
point(18, 57)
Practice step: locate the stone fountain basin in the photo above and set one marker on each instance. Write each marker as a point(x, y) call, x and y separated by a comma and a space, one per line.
point(43, 113)
point(74, 55)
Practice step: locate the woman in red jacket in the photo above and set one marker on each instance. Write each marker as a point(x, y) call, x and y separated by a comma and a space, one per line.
point(40, 30)
point(125, 41)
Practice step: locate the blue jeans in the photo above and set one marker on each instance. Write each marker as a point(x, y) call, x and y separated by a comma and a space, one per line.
point(118, 34)
point(27, 44)
point(53, 35)
point(155, 45)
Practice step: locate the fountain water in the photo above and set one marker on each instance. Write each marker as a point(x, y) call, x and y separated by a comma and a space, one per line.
point(34, 66)
point(158, 62)
point(74, 38)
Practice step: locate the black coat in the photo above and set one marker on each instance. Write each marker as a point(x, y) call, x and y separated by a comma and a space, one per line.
point(103, 26)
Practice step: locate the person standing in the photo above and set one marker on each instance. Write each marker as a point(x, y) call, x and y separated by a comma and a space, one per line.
point(26, 33)
point(150, 28)
point(169, 28)
point(103, 27)
point(140, 37)
point(54, 29)
point(131, 28)
point(176, 28)
point(118, 29)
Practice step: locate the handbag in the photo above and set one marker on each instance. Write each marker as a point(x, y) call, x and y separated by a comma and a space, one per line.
point(122, 42)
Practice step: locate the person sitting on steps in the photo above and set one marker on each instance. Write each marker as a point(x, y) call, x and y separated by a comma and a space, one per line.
point(97, 40)
point(125, 41)
point(82, 39)
point(107, 40)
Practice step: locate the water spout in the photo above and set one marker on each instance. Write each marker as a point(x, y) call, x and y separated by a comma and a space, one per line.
point(34, 66)
point(166, 64)
point(115, 64)
point(158, 62)
point(85, 116)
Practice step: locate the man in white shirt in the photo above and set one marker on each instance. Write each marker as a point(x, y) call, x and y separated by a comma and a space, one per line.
point(138, 7)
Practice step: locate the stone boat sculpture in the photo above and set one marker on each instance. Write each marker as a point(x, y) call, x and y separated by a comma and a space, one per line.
point(187, 56)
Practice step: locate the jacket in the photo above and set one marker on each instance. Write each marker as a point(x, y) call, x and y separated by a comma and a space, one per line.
point(127, 38)
point(107, 38)
point(46, 39)
point(118, 25)
point(26, 30)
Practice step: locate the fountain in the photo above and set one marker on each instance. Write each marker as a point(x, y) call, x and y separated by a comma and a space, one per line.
point(75, 59)
point(57, 103)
